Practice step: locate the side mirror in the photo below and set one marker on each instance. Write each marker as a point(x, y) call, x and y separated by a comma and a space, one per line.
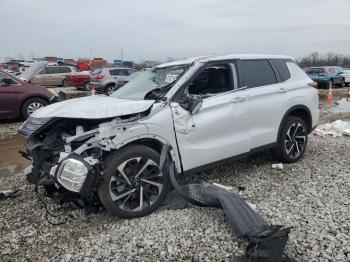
point(192, 104)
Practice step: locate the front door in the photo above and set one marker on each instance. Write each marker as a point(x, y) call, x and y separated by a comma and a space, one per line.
point(219, 130)
point(8, 98)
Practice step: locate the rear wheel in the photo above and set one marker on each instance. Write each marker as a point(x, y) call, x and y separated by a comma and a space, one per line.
point(342, 83)
point(87, 86)
point(31, 105)
point(292, 140)
point(133, 184)
point(109, 89)
point(64, 83)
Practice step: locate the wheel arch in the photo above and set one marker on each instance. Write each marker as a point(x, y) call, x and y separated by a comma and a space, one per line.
point(301, 111)
point(152, 141)
point(30, 97)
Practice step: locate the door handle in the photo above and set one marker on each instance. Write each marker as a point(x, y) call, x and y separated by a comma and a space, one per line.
point(238, 99)
point(282, 90)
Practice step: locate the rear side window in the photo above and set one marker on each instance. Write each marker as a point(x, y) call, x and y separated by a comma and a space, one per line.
point(64, 69)
point(52, 70)
point(96, 71)
point(280, 66)
point(118, 72)
point(253, 73)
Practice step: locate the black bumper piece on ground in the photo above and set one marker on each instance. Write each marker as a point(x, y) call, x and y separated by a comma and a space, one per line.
point(265, 242)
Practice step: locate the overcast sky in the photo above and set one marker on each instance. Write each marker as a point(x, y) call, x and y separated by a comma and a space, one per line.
point(158, 29)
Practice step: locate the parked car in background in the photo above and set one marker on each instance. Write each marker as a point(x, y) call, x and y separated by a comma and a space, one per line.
point(128, 79)
point(346, 75)
point(20, 98)
point(79, 80)
point(105, 80)
point(207, 110)
point(53, 75)
point(326, 75)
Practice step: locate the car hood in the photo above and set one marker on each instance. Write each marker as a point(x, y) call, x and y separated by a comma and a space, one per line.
point(93, 107)
point(32, 71)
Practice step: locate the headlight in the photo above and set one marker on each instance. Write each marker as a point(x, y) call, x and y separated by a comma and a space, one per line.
point(32, 125)
point(72, 174)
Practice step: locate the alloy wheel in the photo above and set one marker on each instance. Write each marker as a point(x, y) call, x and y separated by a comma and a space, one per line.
point(295, 140)
point(136, 185)
point(32, 107)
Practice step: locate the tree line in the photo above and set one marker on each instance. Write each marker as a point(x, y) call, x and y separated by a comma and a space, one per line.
point(330, 59)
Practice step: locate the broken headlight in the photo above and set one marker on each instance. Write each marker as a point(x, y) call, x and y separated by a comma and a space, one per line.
point(72, 174)
point(32, 125)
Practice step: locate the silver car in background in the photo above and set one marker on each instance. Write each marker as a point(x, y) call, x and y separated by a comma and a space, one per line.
point(106, 80)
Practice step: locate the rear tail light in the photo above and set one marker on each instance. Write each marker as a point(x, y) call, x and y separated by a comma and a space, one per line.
point(99, 76)
point(313, 84)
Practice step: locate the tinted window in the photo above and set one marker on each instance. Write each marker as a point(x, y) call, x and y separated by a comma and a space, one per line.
point(130, 71)
point(315, 71)
point(64, 69)
point(281, 68)
point(52, 70)
point(211, 81)
point(253, 73)
point(118, 72)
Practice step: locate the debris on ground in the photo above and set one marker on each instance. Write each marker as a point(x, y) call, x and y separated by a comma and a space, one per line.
point(277, 166)
point(6, 193)
point(337, 128)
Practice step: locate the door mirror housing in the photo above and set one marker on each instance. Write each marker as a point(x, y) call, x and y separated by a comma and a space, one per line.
point(192, 104)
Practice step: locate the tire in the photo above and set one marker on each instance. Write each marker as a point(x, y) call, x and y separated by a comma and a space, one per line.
point(342, 83)
point(64, 83)
point(86, 86)
point(290, 145)
point(109, 89)
point(31, 105)
point(116, 190)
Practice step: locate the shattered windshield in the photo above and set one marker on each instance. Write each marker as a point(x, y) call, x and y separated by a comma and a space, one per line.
point(150, 84)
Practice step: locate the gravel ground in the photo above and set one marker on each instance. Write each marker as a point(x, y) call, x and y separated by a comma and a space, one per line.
point(9, 128)
point(312, 196)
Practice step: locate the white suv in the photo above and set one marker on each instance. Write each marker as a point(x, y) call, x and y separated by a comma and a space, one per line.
point(206, 109)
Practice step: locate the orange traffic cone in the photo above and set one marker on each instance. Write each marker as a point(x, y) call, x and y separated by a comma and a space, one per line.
point(330, 95)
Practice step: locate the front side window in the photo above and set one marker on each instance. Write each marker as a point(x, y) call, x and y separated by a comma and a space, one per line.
point(151, 84)
point(211, 81)
point(254, 73)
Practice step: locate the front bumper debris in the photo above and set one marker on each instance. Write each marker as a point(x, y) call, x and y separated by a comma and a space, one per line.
point(265, 242)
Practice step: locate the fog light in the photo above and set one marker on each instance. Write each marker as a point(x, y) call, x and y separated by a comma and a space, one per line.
point(72, 174)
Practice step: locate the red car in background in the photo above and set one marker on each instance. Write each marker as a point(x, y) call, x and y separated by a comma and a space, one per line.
point(79, 80)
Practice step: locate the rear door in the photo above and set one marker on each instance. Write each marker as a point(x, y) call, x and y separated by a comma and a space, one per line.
point(219, 130)
point(266, 99)
point(8, 98)
point(40, 78)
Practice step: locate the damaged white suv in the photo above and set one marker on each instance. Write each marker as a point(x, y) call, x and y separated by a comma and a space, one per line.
point(209, 109)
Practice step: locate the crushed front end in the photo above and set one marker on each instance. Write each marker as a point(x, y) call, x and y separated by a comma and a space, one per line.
point(67, 154)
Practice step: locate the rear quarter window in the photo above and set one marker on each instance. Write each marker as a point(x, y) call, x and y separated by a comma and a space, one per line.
point(254, 73)
point(281, 67)
point(64, 69)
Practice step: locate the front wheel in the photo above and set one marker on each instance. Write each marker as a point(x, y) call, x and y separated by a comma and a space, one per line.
point(133, 184)
point(292, 140)
point(31, 105)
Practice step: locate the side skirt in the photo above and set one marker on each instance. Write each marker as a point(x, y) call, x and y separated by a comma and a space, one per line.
point(230, 159)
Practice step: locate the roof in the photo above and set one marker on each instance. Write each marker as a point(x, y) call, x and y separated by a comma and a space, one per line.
point(203, 59)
